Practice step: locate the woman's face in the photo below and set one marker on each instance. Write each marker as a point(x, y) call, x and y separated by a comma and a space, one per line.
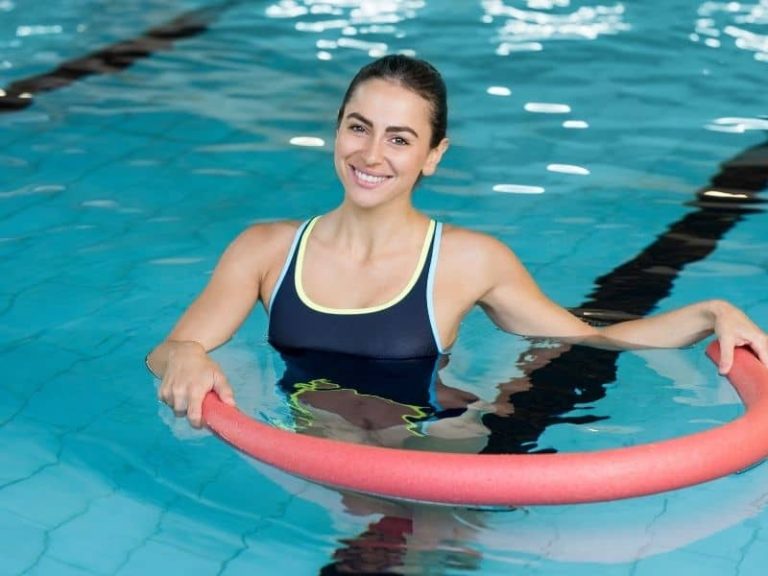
point(383, 143)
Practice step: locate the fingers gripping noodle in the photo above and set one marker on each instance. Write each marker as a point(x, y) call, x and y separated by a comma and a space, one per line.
point(516, 479)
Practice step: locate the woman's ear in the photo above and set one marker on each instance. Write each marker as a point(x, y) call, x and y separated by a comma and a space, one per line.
point(434, 157)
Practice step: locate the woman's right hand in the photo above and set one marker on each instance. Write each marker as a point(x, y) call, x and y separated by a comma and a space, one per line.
point(189, 375)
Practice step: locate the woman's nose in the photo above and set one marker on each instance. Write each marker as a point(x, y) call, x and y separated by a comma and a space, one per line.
point(372, 152)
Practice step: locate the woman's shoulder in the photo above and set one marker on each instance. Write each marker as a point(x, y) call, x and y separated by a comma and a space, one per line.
point(467, 244)
point(470, 254)
point(276, 234)
point(471, 263)
point(476, 264)
point(264, 241)
point(272, 231)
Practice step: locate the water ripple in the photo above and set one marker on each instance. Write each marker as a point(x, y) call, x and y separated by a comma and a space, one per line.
point(737, 125)
point(518, 189)
point(529, 28)
point(32, 190)
point(347, 20)
point(742, 25)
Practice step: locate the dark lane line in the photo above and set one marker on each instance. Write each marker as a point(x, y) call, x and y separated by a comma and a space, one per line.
point(578, 377)
point(114, 58)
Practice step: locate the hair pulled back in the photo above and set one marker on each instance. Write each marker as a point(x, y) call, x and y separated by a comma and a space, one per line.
point(416, 75)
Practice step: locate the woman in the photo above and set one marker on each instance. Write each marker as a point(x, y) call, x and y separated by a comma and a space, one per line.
point(375, 277)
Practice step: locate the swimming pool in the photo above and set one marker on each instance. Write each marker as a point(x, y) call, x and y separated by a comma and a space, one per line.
point(581, 133)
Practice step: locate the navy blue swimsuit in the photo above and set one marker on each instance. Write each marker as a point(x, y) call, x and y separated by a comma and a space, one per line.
point(401, 329)
point(391, 351)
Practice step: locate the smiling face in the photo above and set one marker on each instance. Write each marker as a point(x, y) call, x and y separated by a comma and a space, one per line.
point(383, 143)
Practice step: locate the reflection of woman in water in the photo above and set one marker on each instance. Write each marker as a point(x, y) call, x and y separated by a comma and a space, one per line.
point(377, 278)
point(395, 403)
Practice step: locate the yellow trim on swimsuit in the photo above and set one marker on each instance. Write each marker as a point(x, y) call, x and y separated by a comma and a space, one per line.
point(326, 310)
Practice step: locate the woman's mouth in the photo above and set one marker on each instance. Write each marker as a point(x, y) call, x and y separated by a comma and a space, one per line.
point(368, 180)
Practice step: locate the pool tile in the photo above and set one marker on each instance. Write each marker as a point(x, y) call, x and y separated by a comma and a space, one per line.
point(122, 521)
point(158, 558)
point(22, 544)
point(68, 492)
point(48, 566)
point(26, 448)
point(682, 562)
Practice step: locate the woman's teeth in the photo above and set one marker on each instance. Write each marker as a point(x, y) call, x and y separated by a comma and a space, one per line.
point(369, 178)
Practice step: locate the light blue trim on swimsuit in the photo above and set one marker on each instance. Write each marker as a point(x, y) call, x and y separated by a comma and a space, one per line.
point(287, 263)
point(431, 283)
point(433, 387)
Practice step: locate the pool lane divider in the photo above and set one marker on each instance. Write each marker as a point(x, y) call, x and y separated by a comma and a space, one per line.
point(515, 479)
point(114, 58)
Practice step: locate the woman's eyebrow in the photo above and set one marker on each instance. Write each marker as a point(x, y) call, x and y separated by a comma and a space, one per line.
point(362, 119)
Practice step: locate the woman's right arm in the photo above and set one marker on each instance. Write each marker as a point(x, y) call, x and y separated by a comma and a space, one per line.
point(182, 361)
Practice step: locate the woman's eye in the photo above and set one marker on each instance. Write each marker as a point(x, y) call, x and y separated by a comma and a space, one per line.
point(357, 128)
point(400, 141)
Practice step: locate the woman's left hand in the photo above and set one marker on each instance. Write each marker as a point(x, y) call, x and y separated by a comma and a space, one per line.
point(733, 328)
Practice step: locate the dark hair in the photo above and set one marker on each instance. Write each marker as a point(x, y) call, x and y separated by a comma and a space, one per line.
point(416, 75)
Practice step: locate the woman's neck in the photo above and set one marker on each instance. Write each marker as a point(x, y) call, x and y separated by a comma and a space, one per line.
point(365, 233)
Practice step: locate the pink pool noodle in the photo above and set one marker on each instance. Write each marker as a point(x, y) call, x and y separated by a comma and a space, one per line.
point(516, 479)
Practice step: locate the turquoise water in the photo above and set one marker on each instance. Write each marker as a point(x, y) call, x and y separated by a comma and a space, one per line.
point(580, 133)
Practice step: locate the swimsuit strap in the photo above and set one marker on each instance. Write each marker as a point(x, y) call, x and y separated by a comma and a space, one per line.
point(402, 328)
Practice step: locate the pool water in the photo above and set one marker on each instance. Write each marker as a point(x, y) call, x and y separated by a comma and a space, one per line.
point(583, 135)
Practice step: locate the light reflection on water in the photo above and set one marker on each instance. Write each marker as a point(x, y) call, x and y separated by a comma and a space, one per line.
point(738, 125)
point(37, 35)
point(739, 24)
point(530, 27)
point(362, 25)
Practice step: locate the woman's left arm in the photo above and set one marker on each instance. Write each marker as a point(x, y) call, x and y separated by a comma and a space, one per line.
point(513, 300)
point(690, 324)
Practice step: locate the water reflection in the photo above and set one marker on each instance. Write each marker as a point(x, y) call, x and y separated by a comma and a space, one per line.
point(737, 124)
point(364, 25)
point(568, 169)
point(396, 403)
point(547, 108)
point(499, 91)
point(528, 25)
point(738, 24)
point(518, 189)
point(405, 538)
